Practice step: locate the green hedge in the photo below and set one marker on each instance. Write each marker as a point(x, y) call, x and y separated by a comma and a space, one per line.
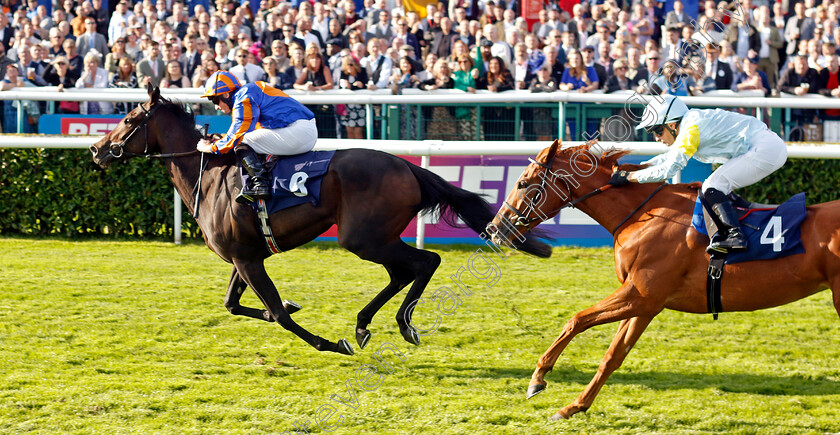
point(64, 192)
point(820, 179)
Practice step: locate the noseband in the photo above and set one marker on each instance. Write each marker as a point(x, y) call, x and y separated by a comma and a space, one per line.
point(117, 150)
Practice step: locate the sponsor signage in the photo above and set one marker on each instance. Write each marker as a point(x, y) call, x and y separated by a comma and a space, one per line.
point(96, 125)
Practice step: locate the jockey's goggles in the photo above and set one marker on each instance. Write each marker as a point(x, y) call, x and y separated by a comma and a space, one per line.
point(655, 129)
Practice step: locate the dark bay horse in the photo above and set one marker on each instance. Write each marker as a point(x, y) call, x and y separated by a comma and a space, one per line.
point(660, 259)
point(369, 195)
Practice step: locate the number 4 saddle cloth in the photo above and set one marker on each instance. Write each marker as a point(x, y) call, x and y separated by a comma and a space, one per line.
point(772, 231)
point(295, 179)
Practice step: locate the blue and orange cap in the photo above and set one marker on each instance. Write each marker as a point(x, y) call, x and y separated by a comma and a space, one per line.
point(219, 83)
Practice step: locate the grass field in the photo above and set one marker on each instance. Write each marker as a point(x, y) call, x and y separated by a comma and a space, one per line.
point(102, 337)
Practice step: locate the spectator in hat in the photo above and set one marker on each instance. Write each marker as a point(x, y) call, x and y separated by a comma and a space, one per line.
point(718, 73)
point(407, 50)
point(485, 53)
point(751, 78)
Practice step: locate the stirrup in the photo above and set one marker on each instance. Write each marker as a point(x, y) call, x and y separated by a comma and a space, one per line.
point(249, 195)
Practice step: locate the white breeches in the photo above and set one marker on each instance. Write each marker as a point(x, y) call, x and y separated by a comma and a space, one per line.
point(767, 153)
point(296, 138)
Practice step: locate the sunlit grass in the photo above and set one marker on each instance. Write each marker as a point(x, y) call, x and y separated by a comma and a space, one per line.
point(125, 337)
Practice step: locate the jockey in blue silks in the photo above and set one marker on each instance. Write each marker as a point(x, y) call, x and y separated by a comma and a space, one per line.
point(747, 149)
point(265, 121)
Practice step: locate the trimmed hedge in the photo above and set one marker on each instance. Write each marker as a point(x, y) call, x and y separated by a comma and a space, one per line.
point(819, 179)
point(64, 192)
point(56, 191)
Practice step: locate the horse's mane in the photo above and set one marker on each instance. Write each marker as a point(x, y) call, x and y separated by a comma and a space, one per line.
point(179, 111)
point(608, 159)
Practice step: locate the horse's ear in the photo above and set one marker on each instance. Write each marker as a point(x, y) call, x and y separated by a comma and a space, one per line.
point(552, 150)
point(154, 93)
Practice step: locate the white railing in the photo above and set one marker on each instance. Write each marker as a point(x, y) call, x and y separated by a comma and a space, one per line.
point(720, 98)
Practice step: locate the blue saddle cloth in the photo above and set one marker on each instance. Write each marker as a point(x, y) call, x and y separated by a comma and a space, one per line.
point(296, 180)
point(771, 233)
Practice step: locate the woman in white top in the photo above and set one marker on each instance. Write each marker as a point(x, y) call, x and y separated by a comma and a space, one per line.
point(94, 77)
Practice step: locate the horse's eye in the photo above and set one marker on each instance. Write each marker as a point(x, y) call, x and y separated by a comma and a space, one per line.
point(126, 121)
point(522, 184)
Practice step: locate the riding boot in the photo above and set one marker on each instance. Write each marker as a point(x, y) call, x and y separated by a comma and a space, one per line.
point(730, 238)
point(257, 186)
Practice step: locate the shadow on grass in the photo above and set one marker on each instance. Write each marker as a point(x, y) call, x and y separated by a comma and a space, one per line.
point(727, 382)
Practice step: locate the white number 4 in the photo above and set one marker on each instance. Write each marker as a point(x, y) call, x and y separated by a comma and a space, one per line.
point(773, 235)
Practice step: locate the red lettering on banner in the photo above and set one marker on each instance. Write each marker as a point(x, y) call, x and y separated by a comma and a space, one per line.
point(88, 126)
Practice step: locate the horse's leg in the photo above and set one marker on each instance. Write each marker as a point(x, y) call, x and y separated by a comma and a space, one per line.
point(400, 278)
point(411, 264)
point(234, 293)
point(628, 333)
point(254, 274)
point(624, 303)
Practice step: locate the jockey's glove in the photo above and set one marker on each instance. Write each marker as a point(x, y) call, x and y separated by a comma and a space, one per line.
point(619, 178)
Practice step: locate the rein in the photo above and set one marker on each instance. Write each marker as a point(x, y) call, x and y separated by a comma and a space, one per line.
point(637, 209)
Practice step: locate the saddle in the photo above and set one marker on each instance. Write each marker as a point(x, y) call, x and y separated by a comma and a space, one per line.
point(294, 180)
point(773, 231)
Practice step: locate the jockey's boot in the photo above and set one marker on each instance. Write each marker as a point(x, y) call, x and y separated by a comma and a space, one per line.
point(730, 238)
point(257, 186)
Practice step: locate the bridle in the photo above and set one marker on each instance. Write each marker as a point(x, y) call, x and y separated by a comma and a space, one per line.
point(524, 220)
point(117, 150)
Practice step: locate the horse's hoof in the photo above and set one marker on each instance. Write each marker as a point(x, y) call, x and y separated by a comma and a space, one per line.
point(410, 334)
point(558, 416)
point(291, 307)
point(362, 337)
point(534, 389)
point(344, 347)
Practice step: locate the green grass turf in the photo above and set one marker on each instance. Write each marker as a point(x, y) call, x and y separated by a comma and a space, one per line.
point(103, 337)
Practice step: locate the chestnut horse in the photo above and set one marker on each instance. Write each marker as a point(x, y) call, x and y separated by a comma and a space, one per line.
point(659, 259)
point(369, 195)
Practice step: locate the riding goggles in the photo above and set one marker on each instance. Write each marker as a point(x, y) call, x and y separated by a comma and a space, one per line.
point(655, 129)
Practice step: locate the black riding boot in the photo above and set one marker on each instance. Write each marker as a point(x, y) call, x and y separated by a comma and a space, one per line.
point(730, 238)
point(257, 186)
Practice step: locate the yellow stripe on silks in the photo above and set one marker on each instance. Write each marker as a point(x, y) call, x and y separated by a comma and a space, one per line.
point(418, 6)
point(690, 141)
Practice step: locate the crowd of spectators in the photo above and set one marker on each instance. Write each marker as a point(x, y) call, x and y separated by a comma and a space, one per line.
point(599, 46)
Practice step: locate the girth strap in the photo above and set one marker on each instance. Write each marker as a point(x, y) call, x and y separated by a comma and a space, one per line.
point(713, 281)
point(262, 214)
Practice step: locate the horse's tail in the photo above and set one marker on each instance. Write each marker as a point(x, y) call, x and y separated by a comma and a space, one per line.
point(451, 202)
